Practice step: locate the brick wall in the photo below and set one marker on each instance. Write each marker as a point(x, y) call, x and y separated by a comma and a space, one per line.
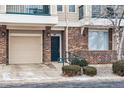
point(78, 44)
point(98, 57)
point(77, 41)
point(46, 45)
point(3, 45)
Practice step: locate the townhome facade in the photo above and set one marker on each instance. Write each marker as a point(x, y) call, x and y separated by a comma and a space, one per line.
point(43, 33)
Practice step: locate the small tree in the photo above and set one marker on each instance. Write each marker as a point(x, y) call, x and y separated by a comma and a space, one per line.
point(115, 16)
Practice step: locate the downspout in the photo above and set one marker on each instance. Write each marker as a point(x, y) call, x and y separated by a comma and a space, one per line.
point(66, 32)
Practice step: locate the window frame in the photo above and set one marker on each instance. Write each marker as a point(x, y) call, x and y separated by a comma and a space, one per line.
point(107, 42)
point(81, 17)
point(60, 11)
point(71, 11)
point(100, 10)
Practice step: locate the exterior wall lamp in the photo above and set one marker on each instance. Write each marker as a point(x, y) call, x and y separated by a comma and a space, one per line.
point(48, 34)
point(2, 34)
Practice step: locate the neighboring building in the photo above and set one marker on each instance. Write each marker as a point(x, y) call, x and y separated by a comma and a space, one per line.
point(42, 33)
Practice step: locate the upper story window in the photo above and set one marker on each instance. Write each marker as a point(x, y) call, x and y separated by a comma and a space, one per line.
point(28, 9)
point(107, 11)
point(81, 12)
point(96, 11)
point(114, 11)
point(71, 8)
point(34, 9)
point(59, 8)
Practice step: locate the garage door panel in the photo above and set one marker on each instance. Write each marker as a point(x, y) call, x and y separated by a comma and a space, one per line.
point(25, 49)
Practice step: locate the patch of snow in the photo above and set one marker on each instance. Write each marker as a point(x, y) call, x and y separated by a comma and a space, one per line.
point(6, 76)
point(29, 73)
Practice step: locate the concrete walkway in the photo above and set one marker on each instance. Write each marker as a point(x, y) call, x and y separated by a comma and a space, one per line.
point(42, 73)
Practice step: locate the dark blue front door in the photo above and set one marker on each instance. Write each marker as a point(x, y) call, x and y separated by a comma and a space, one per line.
point(55, 45)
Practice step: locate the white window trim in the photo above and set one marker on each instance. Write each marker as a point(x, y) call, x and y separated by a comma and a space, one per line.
point(72, 12)
point(100, 30)
point(62, 9)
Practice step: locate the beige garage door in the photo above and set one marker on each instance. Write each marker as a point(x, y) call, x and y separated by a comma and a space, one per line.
point(25, 49)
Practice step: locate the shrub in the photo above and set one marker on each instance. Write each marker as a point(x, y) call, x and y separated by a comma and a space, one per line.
point(118, 67)
point(79, 62)
point(71, 70)
point(89, 70)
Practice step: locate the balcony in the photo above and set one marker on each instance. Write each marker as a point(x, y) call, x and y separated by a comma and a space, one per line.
point(28, 14)
point(28, 9)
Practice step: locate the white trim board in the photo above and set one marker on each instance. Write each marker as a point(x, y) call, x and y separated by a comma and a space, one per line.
point(12, 34)
point(96, 30)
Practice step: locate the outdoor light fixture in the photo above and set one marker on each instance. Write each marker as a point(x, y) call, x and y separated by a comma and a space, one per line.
point(2, 34)
point(48, 34)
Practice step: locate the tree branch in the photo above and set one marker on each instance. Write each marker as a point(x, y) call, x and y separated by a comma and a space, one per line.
point(121, 19)
point(112, 21)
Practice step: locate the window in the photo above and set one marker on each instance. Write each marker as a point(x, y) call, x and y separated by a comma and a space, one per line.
point(35, 9)
point(98, 40)
point(71, 8)
point(81, 12)
point(96, 11)
point(59, 8)
point(29, 9)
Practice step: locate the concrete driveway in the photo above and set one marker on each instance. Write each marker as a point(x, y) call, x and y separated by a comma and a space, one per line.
point(42, 73)
point(30, 72)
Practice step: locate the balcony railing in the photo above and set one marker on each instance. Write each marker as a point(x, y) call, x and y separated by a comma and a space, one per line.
point(28, 9)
